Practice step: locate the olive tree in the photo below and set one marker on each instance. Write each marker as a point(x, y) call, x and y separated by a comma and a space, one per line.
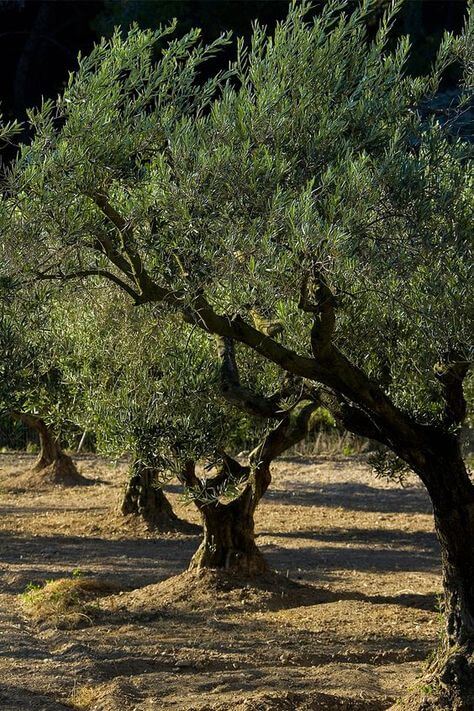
point(310, 185)
point(111, 360)
point(174, 400)
point(31, 388)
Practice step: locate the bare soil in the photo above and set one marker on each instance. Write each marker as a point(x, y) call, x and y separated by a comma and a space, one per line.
point(345, 624)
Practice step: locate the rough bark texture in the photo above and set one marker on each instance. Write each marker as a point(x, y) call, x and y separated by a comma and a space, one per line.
point(229, 528)
point(449, 682)
point(144, 499)
point(53, 465)
point(452, 494)
point(229, 537)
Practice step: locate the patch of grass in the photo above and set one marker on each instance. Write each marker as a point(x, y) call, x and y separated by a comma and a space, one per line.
point(83, 697)
point(66, 603)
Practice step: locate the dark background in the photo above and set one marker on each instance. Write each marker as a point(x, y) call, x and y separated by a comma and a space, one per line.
point(40, 39)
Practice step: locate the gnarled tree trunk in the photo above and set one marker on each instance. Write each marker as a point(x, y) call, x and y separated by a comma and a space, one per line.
point(452, 495)
point(145, 499)
point(229, 530)
point(54, 464)
point(229, 537)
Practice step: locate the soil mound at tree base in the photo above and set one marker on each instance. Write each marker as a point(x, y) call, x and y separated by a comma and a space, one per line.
point(204, 590)
point(123, 695)
point(58, 473)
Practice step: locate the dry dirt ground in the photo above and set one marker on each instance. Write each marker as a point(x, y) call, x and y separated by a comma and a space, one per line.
point(348, 624)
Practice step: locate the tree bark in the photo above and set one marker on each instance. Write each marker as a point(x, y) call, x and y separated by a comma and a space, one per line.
point(229, 537)
point(452, 495)
point(143, 498)
point(229, 530)
point(52, 460)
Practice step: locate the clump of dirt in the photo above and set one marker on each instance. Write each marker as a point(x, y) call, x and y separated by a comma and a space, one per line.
point(106, 697)
point(65, 603)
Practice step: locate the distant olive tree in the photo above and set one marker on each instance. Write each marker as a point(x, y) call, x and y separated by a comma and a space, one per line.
point(306, 185)
point(172, 400)
point(110, 362)
point(31, 388)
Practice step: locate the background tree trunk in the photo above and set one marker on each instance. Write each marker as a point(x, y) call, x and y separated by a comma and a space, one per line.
point(144, 499)
point(52, 462)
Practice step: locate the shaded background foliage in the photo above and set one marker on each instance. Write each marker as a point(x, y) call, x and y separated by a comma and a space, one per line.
point(40, 39)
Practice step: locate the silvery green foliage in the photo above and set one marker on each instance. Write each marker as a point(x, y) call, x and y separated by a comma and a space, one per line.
point(8, 130)
point(312, 148)
point(141, 385)
point(31, 380)
point(387, 466)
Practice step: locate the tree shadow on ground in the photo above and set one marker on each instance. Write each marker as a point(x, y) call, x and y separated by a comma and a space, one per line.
point(310, 562)
point(138, 561)
point(421, 540)
point(352, 497)
point(16, 698)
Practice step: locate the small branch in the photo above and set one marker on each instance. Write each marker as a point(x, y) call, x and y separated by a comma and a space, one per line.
point(107, 247)
point(267, 326)
point(352, 418)
point(139, 274)
point(109, 211)
point(92, 272)
point(231, 470)
point(36, 423)
point(322, 305)
point(289, 431)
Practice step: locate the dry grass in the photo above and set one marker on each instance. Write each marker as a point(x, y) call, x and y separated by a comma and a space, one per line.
point(84, 697)
point(66, 603)
point(331, 442)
